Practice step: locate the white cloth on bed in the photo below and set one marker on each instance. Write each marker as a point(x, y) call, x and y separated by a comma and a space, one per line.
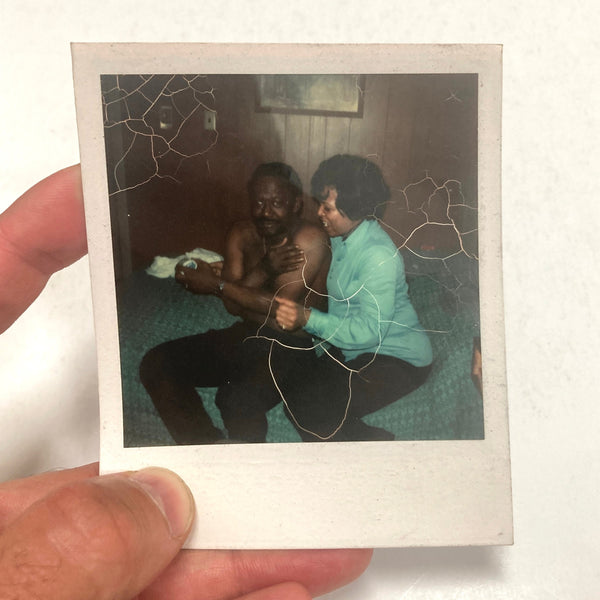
point(163, 266)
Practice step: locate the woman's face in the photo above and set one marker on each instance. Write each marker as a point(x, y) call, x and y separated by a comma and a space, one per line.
point(334, 222)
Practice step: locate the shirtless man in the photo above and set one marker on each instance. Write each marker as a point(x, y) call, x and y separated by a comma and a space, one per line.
point(275, 252)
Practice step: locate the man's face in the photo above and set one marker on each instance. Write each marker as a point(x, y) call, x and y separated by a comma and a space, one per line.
point(334, 222)
point(273, 207)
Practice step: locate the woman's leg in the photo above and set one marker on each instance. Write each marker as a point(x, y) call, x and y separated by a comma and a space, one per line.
point(330, 403)
point(381, 380)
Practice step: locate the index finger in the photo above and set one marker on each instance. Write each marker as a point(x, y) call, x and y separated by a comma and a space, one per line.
point(41, 233)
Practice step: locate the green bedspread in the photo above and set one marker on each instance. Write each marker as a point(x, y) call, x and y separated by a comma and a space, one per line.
point(447, 406)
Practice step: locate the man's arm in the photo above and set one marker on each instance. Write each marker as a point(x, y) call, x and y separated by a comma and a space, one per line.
point(285, 258)
point(304, 284)
point(256, 303)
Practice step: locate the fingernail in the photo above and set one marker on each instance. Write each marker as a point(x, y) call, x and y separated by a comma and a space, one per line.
point(172, 496)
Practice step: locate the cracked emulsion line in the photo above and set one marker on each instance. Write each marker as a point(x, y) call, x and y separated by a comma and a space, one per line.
point(351, 372)
point(157, 155)
point(453, 97)
point(452, 222)
point(274, 341)
point(443, 260)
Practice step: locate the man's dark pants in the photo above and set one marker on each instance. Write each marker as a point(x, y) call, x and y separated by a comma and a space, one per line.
point(242, 361)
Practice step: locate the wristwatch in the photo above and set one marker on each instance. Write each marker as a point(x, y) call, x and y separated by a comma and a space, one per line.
point(219, 290)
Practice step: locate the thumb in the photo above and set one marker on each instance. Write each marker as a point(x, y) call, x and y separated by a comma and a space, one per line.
point(102, 538)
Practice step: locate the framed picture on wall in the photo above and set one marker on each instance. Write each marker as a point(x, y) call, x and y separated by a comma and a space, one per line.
point(340, 95)
point(297, 278)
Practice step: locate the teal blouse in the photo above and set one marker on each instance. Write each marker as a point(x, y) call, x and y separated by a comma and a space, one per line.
point(368, 306)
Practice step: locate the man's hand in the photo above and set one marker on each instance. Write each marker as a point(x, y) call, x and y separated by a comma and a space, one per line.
point(71, 535)
point(201, 280)
point(284, 258)
point(217, 268)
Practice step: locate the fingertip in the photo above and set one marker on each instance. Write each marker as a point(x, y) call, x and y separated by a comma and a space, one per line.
point(46, 224)
point(73, 175)
point(172, 496)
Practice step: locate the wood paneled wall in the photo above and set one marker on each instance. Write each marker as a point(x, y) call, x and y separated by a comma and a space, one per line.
point(420, 129)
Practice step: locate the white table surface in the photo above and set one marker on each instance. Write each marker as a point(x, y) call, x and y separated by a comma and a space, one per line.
point(551, 217)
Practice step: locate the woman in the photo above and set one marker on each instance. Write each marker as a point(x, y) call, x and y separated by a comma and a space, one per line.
point(375, 348)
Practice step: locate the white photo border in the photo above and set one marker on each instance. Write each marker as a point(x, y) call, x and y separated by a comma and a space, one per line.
point(360, 494)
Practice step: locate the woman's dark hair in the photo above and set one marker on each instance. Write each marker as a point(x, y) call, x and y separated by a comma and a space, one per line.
point(361, 190)
point(277, 169)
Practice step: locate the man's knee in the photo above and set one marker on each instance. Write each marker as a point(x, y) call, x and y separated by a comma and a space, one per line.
point(155, 365)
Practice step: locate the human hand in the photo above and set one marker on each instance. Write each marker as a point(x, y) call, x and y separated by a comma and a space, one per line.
point(72, 535)
point(284, 258)
point(290, 315)
point(201, 280)
point(217, 268)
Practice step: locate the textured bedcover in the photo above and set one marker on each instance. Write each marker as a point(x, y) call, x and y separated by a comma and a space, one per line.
point(447, 406)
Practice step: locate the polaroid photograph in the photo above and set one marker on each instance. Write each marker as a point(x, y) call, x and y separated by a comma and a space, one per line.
point(297, 280)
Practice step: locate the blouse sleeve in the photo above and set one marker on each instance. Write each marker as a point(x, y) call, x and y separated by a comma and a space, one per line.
point(362, 319)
